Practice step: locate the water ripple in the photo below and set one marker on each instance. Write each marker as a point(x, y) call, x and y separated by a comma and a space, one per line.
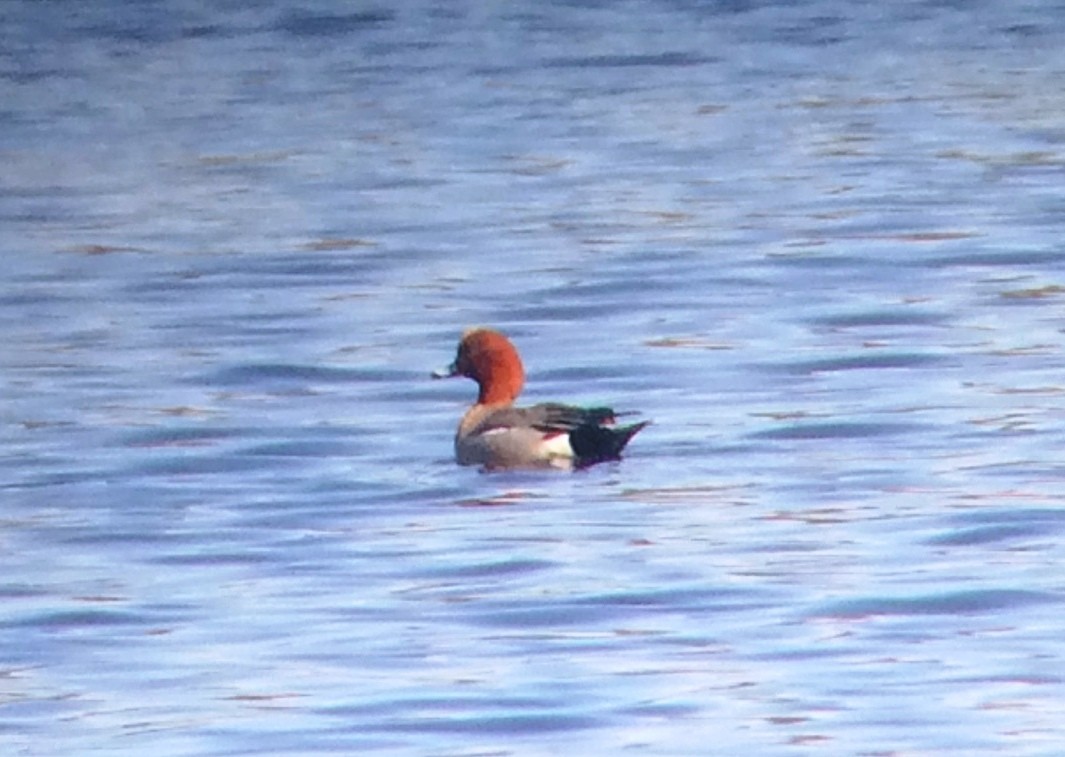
point(872, 360)
point(946, 603)
point(839, 430)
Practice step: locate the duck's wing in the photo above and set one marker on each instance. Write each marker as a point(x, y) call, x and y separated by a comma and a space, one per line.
point(554, 416)
point(591, 431)
point(552, 431)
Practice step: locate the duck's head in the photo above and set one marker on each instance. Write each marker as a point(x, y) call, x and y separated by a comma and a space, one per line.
point(489, 358)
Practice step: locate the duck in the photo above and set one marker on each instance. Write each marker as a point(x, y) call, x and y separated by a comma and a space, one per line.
point(495, 434)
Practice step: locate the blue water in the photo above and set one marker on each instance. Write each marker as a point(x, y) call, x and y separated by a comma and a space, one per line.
point(819, 243)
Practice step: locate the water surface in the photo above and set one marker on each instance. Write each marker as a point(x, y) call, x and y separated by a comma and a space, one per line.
point(818, 243)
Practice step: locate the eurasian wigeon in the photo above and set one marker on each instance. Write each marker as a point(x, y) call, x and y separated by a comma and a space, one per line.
point(495, 434)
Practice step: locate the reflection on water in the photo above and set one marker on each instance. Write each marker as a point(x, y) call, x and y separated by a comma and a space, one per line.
point(818, 243)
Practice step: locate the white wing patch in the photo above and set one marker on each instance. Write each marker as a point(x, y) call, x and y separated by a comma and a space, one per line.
point(557, 446)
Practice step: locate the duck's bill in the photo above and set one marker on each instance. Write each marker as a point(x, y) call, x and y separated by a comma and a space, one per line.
point(444, 372)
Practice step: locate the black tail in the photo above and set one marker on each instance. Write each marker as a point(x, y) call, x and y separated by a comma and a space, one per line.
point(595, 444)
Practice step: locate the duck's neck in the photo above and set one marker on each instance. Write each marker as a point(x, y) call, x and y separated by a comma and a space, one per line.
point(495, 394)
